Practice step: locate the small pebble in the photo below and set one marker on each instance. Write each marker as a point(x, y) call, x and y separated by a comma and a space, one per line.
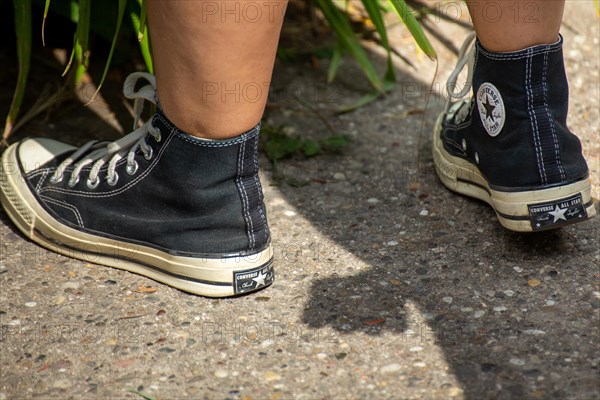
point(392, 243)
point(321, 356)
point(390, 368)
point(424, 213)
point(447, 299)
point(61, 384)
point(518, 269)
point(271, 376)
point(550, 302)
point(479, 314)
point(30, 304)
point(289, 213)
point(71, 285)
point(534, 332)
point(466, 309)
point(509, 293)
point(533, 282)
point(419, 364)
point(372, 200)
point(221, 373)
point(339, 176)
point(500, 309)
point(517, 361)
point(415, 349)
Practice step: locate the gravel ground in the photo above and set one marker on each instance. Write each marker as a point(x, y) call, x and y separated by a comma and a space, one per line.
point(388, 286)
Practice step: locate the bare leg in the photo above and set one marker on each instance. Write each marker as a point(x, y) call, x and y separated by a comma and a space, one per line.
point(514, 25)
point(214, 61)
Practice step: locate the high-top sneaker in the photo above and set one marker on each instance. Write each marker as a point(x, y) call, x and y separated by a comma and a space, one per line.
point(183, 211)
point(509, 144)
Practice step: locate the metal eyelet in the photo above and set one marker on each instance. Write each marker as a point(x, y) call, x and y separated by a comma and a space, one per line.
point(93, 184)
point(148, 156)
point(73, 181)
point(55, 179)
point(464, 145)
point(476, 158)
point(132, 168)
point(114, 181)
point(159, 138)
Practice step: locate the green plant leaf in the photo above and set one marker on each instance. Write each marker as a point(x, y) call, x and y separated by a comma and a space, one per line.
point(143, 37)
point(143, 395)
point(142, 28)
point(23, 31)
point(414, 27)
point(46, 7)
point(368, 98)
point(335, 143)
point(310, 148)
point(341, 25)
point(334, 64)
point(83, 30)
point(376, 16)
point(81, 40)
point(121, 13)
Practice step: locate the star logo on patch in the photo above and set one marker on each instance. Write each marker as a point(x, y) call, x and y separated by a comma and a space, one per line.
point(489, 108)
point(260, 279)
point(558, 213)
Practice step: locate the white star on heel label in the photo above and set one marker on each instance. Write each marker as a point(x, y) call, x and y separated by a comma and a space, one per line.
point(491, 108)
point(557, 212)
point(260, 280)
point(253, 279)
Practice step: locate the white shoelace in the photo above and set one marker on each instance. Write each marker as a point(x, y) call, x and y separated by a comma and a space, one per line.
point(115, 151)
point(466, 56)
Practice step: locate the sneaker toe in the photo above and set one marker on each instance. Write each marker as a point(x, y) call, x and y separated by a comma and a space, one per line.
point(33, 153)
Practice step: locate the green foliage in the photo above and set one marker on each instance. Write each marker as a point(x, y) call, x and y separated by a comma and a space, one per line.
point(23, 30)
point(143, 395)
point(122, 4)
point(280, 145)
point(80, 12)
point(347, 40)
point(103, 22)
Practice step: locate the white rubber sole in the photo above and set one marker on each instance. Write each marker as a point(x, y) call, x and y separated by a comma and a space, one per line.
point(525, 211)
point(211, 277)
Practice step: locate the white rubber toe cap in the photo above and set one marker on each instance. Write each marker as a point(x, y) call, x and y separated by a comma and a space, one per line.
point(34, 153)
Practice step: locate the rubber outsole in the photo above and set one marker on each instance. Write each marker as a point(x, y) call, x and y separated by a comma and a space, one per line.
point(521, 211)
point(211, 277)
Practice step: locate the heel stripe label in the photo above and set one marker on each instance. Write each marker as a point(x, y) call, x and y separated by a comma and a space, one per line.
point(556, 213)
point(253, 279)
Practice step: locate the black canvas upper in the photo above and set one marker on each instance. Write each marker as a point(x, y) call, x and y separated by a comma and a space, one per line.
point(193, 197)
point(534, 149)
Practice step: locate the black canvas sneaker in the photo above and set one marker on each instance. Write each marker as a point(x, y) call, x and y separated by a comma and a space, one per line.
point(183, 211)
point(509, 144)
